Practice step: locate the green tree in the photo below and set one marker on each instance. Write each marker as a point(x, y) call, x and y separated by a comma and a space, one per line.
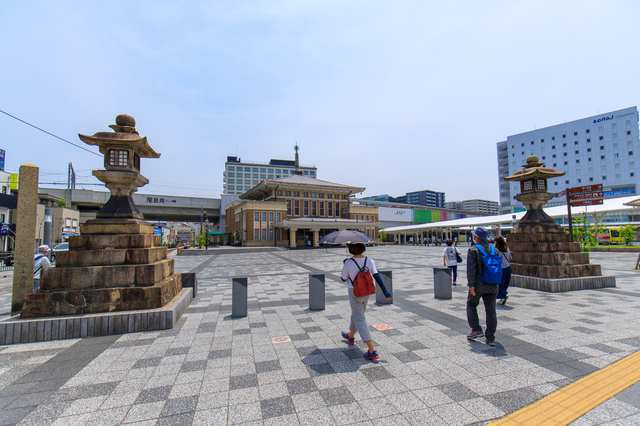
point(598, 225)
point(200, 239)
point(383, 237)
point(61, 202)
point(628, 233)
point(581, 231)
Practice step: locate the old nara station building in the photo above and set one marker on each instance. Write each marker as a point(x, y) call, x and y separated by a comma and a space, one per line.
point(297, 211)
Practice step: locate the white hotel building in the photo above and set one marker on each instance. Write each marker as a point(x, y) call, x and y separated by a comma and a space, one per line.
point(239, 177)
point(601, 149)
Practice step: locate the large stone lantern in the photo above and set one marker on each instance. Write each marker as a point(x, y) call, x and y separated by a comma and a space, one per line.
point(544, 254)
point(117, 263)
point(533, 189)
point(122, 152)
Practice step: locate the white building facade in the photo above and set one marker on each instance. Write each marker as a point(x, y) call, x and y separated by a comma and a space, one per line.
point(604, 149)
point(239, 176)
point(474, 206)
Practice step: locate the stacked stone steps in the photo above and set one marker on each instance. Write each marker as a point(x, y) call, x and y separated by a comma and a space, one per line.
point(101, 300)
point(555, 259)
point(548, 251)
point(111, 256)
point(123, 241)
point(556, 271)
point(115, 265)
point(87, 277)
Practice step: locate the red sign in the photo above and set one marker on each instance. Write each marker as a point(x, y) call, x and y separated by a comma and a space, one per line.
point(586, 203)
point(383, 327)
point(586, 188)
point(562, 193)
point(587, 195)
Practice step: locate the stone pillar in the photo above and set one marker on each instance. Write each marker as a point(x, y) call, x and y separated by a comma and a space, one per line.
point(25, 236)
point(442, 283)
point(316, 292)
point(316, 238)
point(387, 280)
point(292, 237)
point(239, 297)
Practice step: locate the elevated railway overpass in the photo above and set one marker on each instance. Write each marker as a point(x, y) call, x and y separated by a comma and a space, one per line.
point(171, 208)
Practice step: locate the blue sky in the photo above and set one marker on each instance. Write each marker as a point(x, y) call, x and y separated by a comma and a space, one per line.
point(395, 96)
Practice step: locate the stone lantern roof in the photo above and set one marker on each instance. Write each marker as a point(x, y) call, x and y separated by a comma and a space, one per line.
point(532, 170)
point(122, 150)
point(533, 186)
point(123, 136)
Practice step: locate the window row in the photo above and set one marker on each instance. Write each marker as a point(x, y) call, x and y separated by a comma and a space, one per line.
point(604, 177)
point(316, 208)
point(263, 215)
point(575, 133)
point(261, 234)
point(267, 170)
point(311, 195)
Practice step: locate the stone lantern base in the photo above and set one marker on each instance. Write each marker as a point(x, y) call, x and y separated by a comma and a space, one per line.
point(114, 265)
point(546, 258)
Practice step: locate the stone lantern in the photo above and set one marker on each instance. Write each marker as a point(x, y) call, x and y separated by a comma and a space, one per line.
point(533, 189)
point(116, 263)
point(545, 257)
point(122, 150)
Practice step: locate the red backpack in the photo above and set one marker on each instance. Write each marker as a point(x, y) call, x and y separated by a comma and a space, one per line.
point(363, 283)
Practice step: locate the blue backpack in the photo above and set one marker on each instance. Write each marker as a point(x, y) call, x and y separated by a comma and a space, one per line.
point(492, 266)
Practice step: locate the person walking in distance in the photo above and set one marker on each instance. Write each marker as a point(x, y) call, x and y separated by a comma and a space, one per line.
point(501, 245)
point(450, 259)
point(40, 262)
point(353, 267)
point(484, 273)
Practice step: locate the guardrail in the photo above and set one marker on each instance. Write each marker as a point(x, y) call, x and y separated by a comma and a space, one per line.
point(6, 261)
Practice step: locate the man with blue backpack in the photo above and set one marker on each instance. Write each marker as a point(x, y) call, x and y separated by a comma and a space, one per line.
point(484, 273)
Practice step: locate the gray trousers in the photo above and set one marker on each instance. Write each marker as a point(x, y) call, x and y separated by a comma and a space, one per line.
point(358, 321)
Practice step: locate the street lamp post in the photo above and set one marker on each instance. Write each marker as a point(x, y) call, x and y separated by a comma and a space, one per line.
point(206, 231)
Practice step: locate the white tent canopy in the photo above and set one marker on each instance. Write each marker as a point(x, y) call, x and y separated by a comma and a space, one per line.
point(609, 206)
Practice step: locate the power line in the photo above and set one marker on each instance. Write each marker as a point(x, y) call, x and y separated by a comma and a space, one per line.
point(51, 134)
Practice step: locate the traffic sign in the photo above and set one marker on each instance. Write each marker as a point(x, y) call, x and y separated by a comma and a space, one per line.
point(586, 188)
point(281, 339)
point(587, 195)
point(586, 203)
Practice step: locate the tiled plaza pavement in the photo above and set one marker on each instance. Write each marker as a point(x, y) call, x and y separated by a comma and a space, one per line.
point(215, 370)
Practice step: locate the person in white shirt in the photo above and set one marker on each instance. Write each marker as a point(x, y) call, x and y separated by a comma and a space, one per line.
point(450, 259)
point(41, 261)
point(350, 270)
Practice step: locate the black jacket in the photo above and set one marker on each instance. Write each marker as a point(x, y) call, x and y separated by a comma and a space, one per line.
point(475, 267)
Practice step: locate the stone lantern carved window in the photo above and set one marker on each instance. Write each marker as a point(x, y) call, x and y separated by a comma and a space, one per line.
point(527, 185)
point(119, 158)
point(541, 184)
point(136, 161)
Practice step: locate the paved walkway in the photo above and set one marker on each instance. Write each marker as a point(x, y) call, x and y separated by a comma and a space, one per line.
point(215, 370)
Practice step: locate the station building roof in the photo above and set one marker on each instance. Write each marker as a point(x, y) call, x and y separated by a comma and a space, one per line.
point(610, 205)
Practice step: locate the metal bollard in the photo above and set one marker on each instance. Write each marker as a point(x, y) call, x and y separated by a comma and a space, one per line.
point(387, 280)
point(316, 292)
point(442, 283)
point(239, 297)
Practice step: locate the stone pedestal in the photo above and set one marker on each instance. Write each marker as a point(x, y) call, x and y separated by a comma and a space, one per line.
point(544, 255)
point(115, 265)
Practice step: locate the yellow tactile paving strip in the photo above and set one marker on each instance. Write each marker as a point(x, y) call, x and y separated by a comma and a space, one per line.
point(573, 401)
